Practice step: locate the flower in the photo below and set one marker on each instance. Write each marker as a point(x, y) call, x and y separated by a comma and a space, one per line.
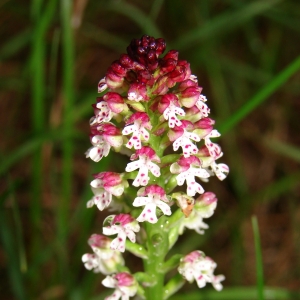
point(204, 207)
point(102, 112)
point(137, 92)
point(103, 259)
point(151, 196)
point(124, 283)
point(209, 163)
point(169, 106)
point(103, 137)
point(144, 164)
point(124, 225)
point(203, 108)
point(188, 168)
point(141, 122)
point(197, 266)
point(181, 137)
point(104, 186)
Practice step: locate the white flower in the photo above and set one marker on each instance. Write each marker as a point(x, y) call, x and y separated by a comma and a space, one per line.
point(124, 284)
point(170, 114)
point(203, 108)
point(100, 148)
point(214, 149)
point(144, 164)
point(104, 136)
point(102, 113)
point(185, 143)
point(124, 226)
point(103, 259)
point(221, 170)
point(193, 222)
point(188, 168)
point(151, 197)
point(197, 266)
point(140, 121)
point(104, 186)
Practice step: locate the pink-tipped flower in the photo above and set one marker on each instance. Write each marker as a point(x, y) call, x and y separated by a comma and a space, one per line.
point(103, 259)
point(151, 197)
point(115, 75)
point(209, 163)
point(181, 72)
point(124, 284)
point(189, 97)
point(115, 102)
point(145, 163)
point(137, 92)
point(104, 186)
point(204, 127)
point(181, 136)
point(140, 122)
point(102, 112)
point(108, 105)
point(169, 106)
point(197, 266)
point(103, 137)
point(124, 225)
point(188, 168)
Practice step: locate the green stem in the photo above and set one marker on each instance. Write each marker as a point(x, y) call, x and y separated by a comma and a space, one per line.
point(158, 234)
point(158, 246)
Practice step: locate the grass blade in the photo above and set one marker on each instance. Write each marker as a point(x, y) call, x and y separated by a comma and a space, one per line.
point(68, 92)
point(261, 96)
point(223, 23)
point(259, 263)
point(136, 15)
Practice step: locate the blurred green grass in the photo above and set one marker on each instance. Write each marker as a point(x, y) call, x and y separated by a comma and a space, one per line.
point(52, 55)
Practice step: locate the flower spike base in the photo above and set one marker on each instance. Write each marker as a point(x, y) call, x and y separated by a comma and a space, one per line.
point(152, 106)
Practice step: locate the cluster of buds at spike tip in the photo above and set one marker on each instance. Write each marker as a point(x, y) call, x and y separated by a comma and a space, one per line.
point(152, 108)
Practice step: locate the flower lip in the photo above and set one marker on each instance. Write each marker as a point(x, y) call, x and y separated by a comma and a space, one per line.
point(109, 178)
point(146, 151)
point(141, 116)
point(208, 198)
point(155, 189)
point(122, 219)
point(185, 162)
point(99, 241)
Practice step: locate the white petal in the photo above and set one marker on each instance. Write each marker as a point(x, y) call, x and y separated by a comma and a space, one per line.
point(148, 214)
point(133, 166)
point(129, 129)
point(165, 208)
point(110, 230)
point(109, 282)
point(140, 201)
point(155, 170)
point(131, 235)
point(142, 177)
point(95, 154)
